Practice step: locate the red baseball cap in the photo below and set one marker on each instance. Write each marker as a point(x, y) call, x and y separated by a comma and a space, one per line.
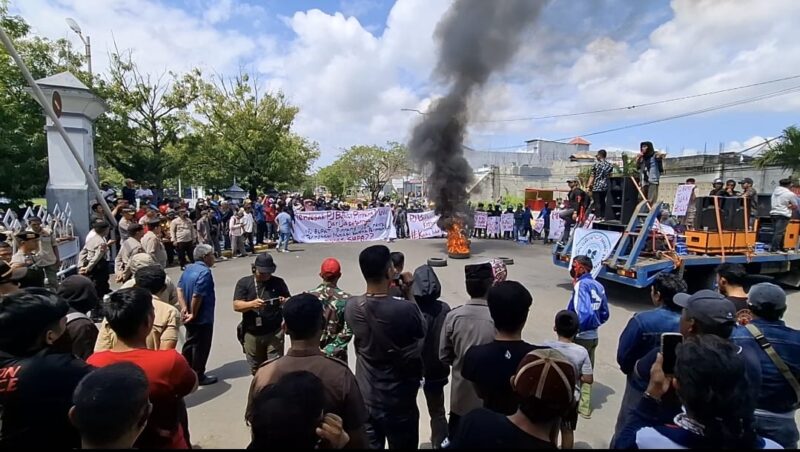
point(330, 268)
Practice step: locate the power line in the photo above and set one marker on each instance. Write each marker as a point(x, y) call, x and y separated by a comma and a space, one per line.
point(632, 107)
point(760, 97)
point(782, 92)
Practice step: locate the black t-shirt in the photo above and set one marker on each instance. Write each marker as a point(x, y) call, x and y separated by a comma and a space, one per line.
point(485, 429)
point(268, 319)
point(739, 302)
point(35, 397)
point(490, 368)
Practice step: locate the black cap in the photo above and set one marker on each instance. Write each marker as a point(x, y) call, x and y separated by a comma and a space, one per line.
point(763, 294)
point(7, 274)
point(99, 224)
point(478, 271)
point(265, 264)
point(26, 235)
point(708, 307)
point(746, 180)
point(34, 219)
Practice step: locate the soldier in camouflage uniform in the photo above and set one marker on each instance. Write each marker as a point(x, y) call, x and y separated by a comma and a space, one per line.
point(336, 334)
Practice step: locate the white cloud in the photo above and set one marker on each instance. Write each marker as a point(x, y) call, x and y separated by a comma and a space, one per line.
point(161, 37)
point(351, 82)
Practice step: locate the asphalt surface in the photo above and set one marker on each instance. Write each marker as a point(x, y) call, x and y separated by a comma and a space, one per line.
point(216, 412)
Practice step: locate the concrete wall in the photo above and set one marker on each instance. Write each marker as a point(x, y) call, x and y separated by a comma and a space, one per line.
point(513, 180)
point(504, 181)
point(764, 180)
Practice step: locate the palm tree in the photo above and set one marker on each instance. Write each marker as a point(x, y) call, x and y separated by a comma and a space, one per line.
point(784, 153)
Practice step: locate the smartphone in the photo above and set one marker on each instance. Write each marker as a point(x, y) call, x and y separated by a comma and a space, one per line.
point(669, 342)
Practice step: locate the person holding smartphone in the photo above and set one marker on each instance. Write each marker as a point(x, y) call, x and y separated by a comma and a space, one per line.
point(259, 297)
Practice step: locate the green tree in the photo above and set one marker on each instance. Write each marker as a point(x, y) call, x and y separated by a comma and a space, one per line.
point(23, 143)
point(371, 167)
point(784, 153)
point(336, 178)
point(246, 133)
point(139, 137)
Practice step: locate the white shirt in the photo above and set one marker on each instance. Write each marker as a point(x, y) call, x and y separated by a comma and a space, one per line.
point(782, 197)
point(144, 193)
point(247, 222)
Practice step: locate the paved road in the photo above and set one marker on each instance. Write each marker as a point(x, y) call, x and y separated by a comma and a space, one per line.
point(216, 412)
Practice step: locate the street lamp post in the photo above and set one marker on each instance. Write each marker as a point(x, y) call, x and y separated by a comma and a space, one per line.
point(87, 43)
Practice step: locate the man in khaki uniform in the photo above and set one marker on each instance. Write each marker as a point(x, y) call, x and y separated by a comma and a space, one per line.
point(164, 335)
point(303, 318)
point(47, 258)
point(92, 258)
point(128, 218)
point(132, 245)
point(26, 257)
point(183, 235)
point(151, 242)
point(170, 292)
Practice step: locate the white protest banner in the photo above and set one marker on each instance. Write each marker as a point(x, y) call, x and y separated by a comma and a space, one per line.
point(480, 220)
point(493, 225)
point(343, 226)
point(538, 225)
point(423, 225)
point(596, 244)
point(507, 222)
point(682, 197)
point(556, 226)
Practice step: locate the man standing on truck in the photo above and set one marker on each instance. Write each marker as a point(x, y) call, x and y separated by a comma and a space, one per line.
point(598, 183)
point(751, 198)
point(650, 167)
point(578, 202)
point(784, 203)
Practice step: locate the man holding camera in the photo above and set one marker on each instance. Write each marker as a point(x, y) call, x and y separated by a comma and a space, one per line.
point(259, 298)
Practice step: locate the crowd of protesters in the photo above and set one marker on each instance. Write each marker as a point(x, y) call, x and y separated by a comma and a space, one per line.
point(68, 383)
point(120, 382)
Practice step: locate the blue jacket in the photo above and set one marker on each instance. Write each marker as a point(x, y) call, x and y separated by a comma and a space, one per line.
point(545, 213)
point(589, 301)
point(646, 429)
point(643, 333)
point(258, 212)
point(775, 395)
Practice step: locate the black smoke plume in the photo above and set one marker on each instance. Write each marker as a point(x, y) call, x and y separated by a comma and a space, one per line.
point(476, 38)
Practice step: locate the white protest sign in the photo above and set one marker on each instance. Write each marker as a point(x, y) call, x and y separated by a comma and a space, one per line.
point(682, 198)
point(493, 225)
point(538, 225)
point(663, 228)
point(423, 225)
point(507, 222)
point(480, 220)
point(343, 226)
point(596, 244)
point(556, 226)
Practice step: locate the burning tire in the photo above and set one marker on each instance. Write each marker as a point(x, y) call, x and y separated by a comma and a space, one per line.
point(437, 262)
point(507, 260)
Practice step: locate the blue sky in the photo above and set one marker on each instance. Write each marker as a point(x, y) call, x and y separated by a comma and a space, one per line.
point(352, 65)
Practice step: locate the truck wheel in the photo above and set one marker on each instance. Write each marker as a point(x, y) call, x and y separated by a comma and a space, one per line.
point(437, 262)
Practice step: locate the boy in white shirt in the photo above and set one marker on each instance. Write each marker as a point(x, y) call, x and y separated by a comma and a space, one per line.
point(566, 327)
